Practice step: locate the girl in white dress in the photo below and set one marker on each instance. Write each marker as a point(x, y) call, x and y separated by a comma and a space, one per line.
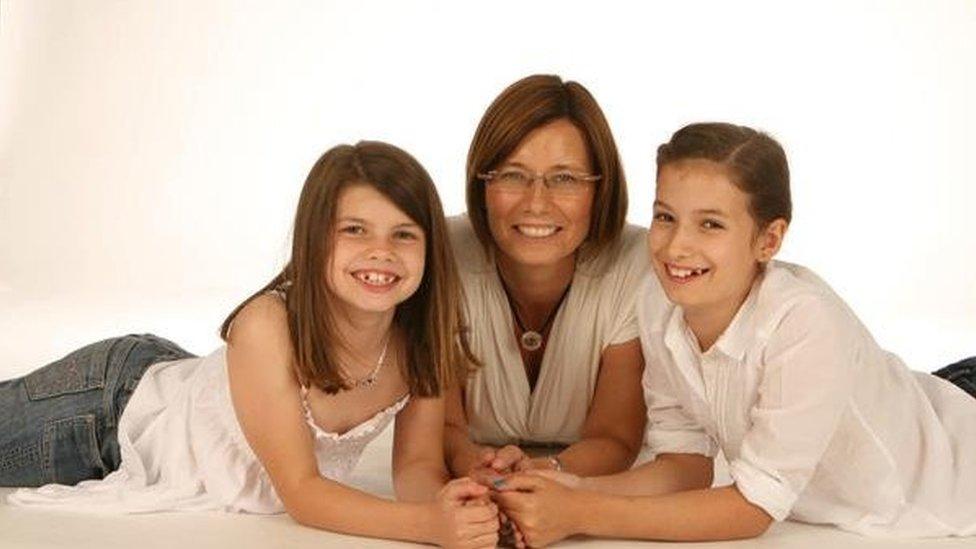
point(362, 326)
point(762, 360)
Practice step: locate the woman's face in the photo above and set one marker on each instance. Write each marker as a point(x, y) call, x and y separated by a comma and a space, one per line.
point(378, 252)
point(534, 226)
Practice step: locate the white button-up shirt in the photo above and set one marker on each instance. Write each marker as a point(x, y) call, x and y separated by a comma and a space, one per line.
point(818, 423)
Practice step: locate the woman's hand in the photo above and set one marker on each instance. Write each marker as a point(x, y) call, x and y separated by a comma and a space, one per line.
point(464, 516)
point(506, 459)
point(496, 462)
point(544, 510)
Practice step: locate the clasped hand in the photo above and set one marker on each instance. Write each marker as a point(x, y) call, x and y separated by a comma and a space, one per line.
point(535, 501)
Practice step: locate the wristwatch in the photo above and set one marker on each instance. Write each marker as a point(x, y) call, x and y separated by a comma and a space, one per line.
point(555, 462)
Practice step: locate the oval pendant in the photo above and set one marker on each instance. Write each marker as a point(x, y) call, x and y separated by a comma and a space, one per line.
point(531, 340)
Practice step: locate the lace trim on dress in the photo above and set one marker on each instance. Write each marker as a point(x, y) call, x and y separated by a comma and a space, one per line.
point(363, 429)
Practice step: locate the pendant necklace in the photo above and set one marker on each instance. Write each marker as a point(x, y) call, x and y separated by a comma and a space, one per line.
point(370, 380)
point(531, 340)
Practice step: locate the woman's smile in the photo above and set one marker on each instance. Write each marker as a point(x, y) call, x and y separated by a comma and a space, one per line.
point(535, 231)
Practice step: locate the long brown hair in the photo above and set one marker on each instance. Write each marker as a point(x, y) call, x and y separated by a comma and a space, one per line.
point(430, 319)
point(532, 102)
point(756, 164)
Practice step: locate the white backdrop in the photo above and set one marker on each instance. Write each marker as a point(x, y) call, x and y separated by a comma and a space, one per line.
point(151, 153)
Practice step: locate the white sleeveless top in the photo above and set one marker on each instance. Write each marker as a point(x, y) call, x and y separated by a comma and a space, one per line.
point(183, 449)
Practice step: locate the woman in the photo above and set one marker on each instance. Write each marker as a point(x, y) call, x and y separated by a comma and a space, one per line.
point(550, 272)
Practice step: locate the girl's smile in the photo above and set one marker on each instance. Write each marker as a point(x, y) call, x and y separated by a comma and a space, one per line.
point(681, 275)
point(378, 255)
point(376, 280)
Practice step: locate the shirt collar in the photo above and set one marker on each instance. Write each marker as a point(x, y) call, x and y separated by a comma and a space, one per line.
point(736, 337)
point(734, 340)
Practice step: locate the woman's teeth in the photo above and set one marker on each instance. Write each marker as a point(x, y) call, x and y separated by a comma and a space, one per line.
point(536, 231)
point(375, 278)
point(684, 272)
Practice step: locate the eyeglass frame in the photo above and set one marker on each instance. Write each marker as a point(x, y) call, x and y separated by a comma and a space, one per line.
point(490, 175)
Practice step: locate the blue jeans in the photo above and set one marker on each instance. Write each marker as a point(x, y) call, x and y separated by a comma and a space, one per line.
point(962, 373)
point(60, 423)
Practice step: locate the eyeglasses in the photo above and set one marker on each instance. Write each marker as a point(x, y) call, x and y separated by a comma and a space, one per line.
point(559, 182)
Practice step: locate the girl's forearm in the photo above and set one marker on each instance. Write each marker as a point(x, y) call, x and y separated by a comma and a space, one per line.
point(667, 474)
point(419, 482)
point(328, 505)
point(597, 456)
point(461, 453)
point(700, 515)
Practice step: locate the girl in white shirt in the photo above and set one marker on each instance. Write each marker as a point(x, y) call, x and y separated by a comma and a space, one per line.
point(762, 360)
point(362, 326)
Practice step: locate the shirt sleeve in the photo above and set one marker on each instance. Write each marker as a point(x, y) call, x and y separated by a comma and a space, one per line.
point(670, 428)
point(809, 365)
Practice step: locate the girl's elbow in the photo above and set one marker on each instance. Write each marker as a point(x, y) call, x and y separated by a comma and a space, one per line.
point(755, 525)
point(301, 513)
point(760, 528)
point(767, 521)
point(297, 503)
point(303, 519)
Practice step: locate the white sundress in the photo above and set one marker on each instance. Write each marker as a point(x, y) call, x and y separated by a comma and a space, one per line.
point(182, 449)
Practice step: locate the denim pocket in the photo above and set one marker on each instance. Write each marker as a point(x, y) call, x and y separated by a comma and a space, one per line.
point(70, 450)
point(82, 370)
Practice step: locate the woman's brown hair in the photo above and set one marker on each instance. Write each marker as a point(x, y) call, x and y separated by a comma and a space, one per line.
point(430, 319)
point(756, 163)
point(528, 104)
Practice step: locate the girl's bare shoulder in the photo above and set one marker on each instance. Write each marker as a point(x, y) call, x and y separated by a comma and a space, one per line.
point(263, 322)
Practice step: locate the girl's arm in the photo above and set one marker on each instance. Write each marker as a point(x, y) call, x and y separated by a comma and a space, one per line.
point(666, 474)
point(418, 457)
point(697, 515)
point(266, 398)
